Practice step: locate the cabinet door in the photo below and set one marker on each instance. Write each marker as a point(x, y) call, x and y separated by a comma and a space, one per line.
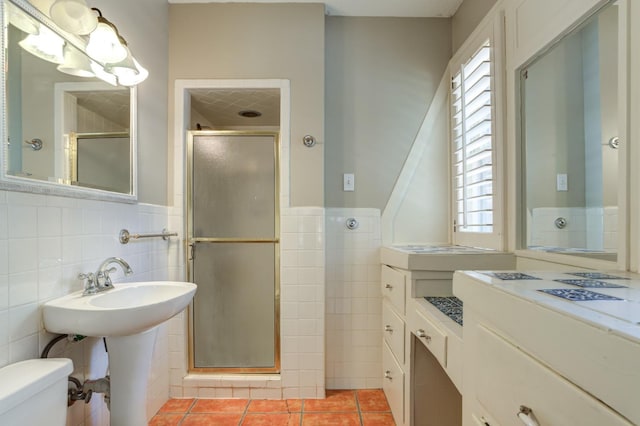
point(393, 384)
point(508, 378)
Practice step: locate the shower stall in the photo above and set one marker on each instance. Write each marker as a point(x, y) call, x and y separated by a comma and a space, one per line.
point(233, 251)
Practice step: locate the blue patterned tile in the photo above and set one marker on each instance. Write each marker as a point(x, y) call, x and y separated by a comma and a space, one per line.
point(597, 276)
point(450, 306)
point(578, 295)
point(591, 284)
point(509, 276)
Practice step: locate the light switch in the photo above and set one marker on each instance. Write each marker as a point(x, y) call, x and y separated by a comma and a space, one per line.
point(349, 183)
point(561, 182)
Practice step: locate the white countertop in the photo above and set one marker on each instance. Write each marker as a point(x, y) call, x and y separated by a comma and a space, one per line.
point(444, 257)
point(621, 317)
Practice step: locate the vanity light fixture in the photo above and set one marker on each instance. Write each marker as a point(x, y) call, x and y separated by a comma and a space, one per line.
point(105, 44)
point(134, 79)
point(73, 16)
point(76, 63)
point(21, 21)
point(46, 45)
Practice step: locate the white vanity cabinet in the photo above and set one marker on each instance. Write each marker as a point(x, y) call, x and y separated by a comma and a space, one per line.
point(570, 363)
point(393, 282)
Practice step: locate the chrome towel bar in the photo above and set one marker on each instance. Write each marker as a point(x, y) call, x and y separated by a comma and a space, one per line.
point(125, 236)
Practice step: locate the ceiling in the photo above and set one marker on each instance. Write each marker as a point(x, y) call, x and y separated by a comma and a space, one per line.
point(397, 8)
point(221, 106)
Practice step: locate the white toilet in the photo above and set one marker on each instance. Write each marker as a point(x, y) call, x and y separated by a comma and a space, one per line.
point(34, 392)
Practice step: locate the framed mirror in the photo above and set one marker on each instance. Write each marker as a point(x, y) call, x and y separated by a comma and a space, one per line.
point(570, 141)
point(60, 122)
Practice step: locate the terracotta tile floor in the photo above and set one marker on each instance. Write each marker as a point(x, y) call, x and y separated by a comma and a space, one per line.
point(366, 407)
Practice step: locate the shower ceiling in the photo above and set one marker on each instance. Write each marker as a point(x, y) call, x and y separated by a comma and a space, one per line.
point(399, 8)
point(220, 107)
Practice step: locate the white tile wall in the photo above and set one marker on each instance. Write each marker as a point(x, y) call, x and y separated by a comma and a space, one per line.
point(354, 301)
point(589, 228)
point(45, 242)
point(302, 312)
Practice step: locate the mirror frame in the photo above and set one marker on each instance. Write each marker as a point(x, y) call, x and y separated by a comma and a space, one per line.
point(622, 262)
point(21, 184)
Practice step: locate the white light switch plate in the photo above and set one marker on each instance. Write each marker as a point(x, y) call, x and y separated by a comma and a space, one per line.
point(562, 182)
point(348, 182)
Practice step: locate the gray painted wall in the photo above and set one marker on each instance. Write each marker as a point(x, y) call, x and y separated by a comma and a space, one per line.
point(381, 75)
point(467, 18)
point(260, 41)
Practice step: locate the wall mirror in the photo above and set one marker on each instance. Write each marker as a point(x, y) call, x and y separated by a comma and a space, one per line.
point(67, 132)
point(569, 131)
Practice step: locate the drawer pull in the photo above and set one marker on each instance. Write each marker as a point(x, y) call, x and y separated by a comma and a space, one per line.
point(423, 335)
point(388, 328)
point(388, 286)
point(526, 416)
point(387, 375)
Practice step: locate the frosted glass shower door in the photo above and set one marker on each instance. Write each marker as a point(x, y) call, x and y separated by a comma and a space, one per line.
point(233, 237)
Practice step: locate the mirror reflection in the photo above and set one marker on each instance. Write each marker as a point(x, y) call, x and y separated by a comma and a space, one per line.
point(53, 111)
point(569, 130)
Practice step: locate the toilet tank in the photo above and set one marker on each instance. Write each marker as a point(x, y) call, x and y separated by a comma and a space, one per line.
point(34, 392)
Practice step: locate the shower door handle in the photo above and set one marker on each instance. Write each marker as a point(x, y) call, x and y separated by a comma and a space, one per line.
point(192, 251)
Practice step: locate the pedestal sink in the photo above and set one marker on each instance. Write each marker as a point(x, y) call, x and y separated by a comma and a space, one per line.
point(127, 316)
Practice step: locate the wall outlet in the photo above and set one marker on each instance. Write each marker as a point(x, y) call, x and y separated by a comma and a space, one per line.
point(562, 183)
point(348, 182)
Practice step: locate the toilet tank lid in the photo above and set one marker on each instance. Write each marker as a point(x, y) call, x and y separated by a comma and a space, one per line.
point(22, 380)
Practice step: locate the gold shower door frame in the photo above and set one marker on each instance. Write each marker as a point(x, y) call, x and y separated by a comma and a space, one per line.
point(191, 241)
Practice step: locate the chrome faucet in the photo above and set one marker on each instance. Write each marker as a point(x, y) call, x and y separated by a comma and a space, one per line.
point(102, 279)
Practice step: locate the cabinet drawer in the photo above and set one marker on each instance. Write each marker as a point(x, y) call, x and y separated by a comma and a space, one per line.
point(508, 378)
point(393, 330)
point(393, 287)
point(393, 384)
point(429, 335)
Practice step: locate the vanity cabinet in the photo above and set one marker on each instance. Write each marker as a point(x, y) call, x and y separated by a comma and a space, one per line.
point(393, 282)
point(410, 323)
point(563, 360)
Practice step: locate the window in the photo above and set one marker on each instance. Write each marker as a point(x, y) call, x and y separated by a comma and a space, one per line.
point(477, 117)
point(473, 143)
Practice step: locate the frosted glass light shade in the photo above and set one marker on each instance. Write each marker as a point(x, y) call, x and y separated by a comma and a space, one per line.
point(21, 20)
point(76, 63)
point(104, 45)
point(125, 68)
point(74, 16)
point(103, 75)
point(134, 79)
point(46, 45)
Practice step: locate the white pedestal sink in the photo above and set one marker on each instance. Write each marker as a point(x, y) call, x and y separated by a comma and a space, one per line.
point(127, 316)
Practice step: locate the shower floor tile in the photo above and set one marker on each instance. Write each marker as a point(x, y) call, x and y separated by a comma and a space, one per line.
point(364, 407)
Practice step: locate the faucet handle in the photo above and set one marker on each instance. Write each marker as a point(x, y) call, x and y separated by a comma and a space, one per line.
point(89, 283)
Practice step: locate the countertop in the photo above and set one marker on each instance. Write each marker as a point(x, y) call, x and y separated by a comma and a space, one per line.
point(609, 300)
point(438, 257)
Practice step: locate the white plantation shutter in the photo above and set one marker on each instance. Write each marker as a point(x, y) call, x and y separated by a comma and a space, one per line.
point(473, 168)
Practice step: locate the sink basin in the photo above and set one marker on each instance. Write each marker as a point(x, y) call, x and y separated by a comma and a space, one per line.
point(126, 316)
point(127, 309)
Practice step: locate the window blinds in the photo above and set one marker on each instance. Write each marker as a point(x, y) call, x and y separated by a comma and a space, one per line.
point(472, 143)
